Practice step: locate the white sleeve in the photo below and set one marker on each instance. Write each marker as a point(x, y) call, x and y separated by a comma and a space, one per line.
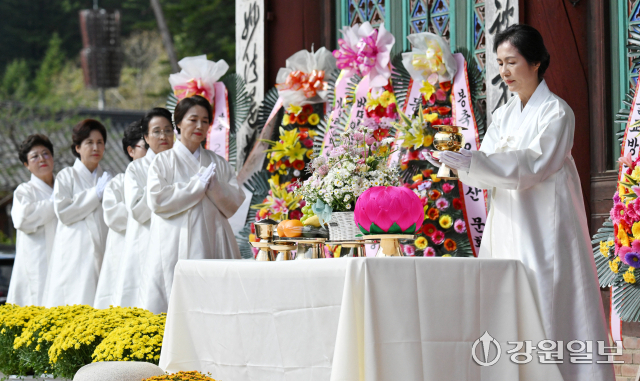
point(524, 168)
point(167, 198)
point(115, 211)
point(29, 214)
point(224, 191)
point(69, 207)
point(135, 196)
point(491, 137)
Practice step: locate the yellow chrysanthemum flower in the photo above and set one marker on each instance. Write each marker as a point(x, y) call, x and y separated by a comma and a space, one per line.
point(629, 276)
point(604, 249)
point(314, 119)
point(446, 221)
point(387, 98)
point(371, 103)
point(427, 140)
point(431, 117)
point(635, 230)
point(615, 265)
point(420, 243)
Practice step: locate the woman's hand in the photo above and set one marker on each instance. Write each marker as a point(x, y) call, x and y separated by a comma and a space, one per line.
point(457, 160)
point(207, 175)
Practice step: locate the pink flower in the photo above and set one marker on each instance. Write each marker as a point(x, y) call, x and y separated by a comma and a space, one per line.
point(446, 187)
point(308, 143)
point(409, 250)
point(438, 237)
point(459, 226)
point(617, 213)
point(441, 96)
point(442, 204)
point(429, 252)
point(446, 121)
point(626, 160)
point(386, 206)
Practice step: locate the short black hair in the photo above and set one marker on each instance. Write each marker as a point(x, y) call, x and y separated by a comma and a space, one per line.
point(32, 141)
point(82, 131)
point(132, 135)
point(156, 111)
point(185, 104)
point(529, 43)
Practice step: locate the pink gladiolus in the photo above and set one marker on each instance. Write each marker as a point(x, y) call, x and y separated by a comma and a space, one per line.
point(626, 160)
point(384, 206)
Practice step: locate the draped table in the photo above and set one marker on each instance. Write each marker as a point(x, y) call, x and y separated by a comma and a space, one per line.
point(352, 319)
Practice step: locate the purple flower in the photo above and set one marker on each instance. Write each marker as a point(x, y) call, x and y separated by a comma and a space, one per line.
point(632, 259)
point(616, 198)
point(459, 226)
point(442, 204)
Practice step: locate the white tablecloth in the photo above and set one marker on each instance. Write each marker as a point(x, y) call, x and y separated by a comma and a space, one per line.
point(350, 319)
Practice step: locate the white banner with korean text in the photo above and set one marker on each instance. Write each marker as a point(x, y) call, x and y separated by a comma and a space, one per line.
point(474, 199)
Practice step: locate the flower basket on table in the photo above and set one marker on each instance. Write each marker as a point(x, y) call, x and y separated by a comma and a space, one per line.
point(357, 162)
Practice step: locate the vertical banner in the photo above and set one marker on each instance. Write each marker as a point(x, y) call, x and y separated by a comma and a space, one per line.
point(630, 146)
point(359, 103)
point(336, 111)
point(499, 14)
point(474, 199)
point(218, 135)
point(250, 61)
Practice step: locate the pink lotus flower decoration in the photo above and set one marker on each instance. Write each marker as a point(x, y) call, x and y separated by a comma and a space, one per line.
point(389, 210)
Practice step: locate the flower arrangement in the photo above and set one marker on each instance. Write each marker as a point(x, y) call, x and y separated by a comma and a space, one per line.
point(289, 155)
point(301, 115)
point(140, 339)
point(181, 376)
point(38, 336)
point(357, 162)
point(281, 203)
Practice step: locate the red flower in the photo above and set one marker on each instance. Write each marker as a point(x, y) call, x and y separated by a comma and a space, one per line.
point(302, 119)
point(303, 134)
point(433, 213)
point(434, 194)
point(380, 133)
point(428, 229)
point(298, 164)
point(295, 214)
point(307, 109)
point(457, 204)
point(307, 143)
point(446, 86)
point(444, 110)
point(427, 172)
point(380, 111)
point(450, 245)
point(412, 155)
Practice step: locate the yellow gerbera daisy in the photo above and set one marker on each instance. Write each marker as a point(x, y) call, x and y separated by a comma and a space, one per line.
point(421, 243)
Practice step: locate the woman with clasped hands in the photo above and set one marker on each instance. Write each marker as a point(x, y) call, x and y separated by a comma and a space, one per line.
point(192, 192)
point(537, 212)
point(35, 221)
point(81, 235)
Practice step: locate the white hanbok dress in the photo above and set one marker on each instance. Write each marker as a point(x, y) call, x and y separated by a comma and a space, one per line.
point(35, 221)
point(188, 221)
point(137, 238)
point(115, 216)
point(537, 215)
point(80, 239)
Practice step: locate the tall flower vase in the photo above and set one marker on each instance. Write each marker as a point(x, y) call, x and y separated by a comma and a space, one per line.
point(342, 227)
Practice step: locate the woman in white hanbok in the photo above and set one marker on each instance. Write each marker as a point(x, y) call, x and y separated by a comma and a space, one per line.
point(537, 212)
point(116, 217)
point(81, 234)
point(158, 135)
point(192, 192)
point(35, 221)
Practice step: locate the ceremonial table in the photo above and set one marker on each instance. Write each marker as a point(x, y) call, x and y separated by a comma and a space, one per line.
point(352, 319)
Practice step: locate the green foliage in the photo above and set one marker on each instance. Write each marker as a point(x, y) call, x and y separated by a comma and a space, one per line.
point(203, 28)
point(51, 66)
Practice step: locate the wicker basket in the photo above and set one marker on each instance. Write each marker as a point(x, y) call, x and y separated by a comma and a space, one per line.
point(343, 227)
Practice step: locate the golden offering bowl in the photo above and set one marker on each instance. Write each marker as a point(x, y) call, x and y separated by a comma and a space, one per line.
point(448, 138)
point(284, 251)
point(265, 253)
point(265, 229)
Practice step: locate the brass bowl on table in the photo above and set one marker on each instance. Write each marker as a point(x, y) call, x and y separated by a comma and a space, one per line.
point(448, 138)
